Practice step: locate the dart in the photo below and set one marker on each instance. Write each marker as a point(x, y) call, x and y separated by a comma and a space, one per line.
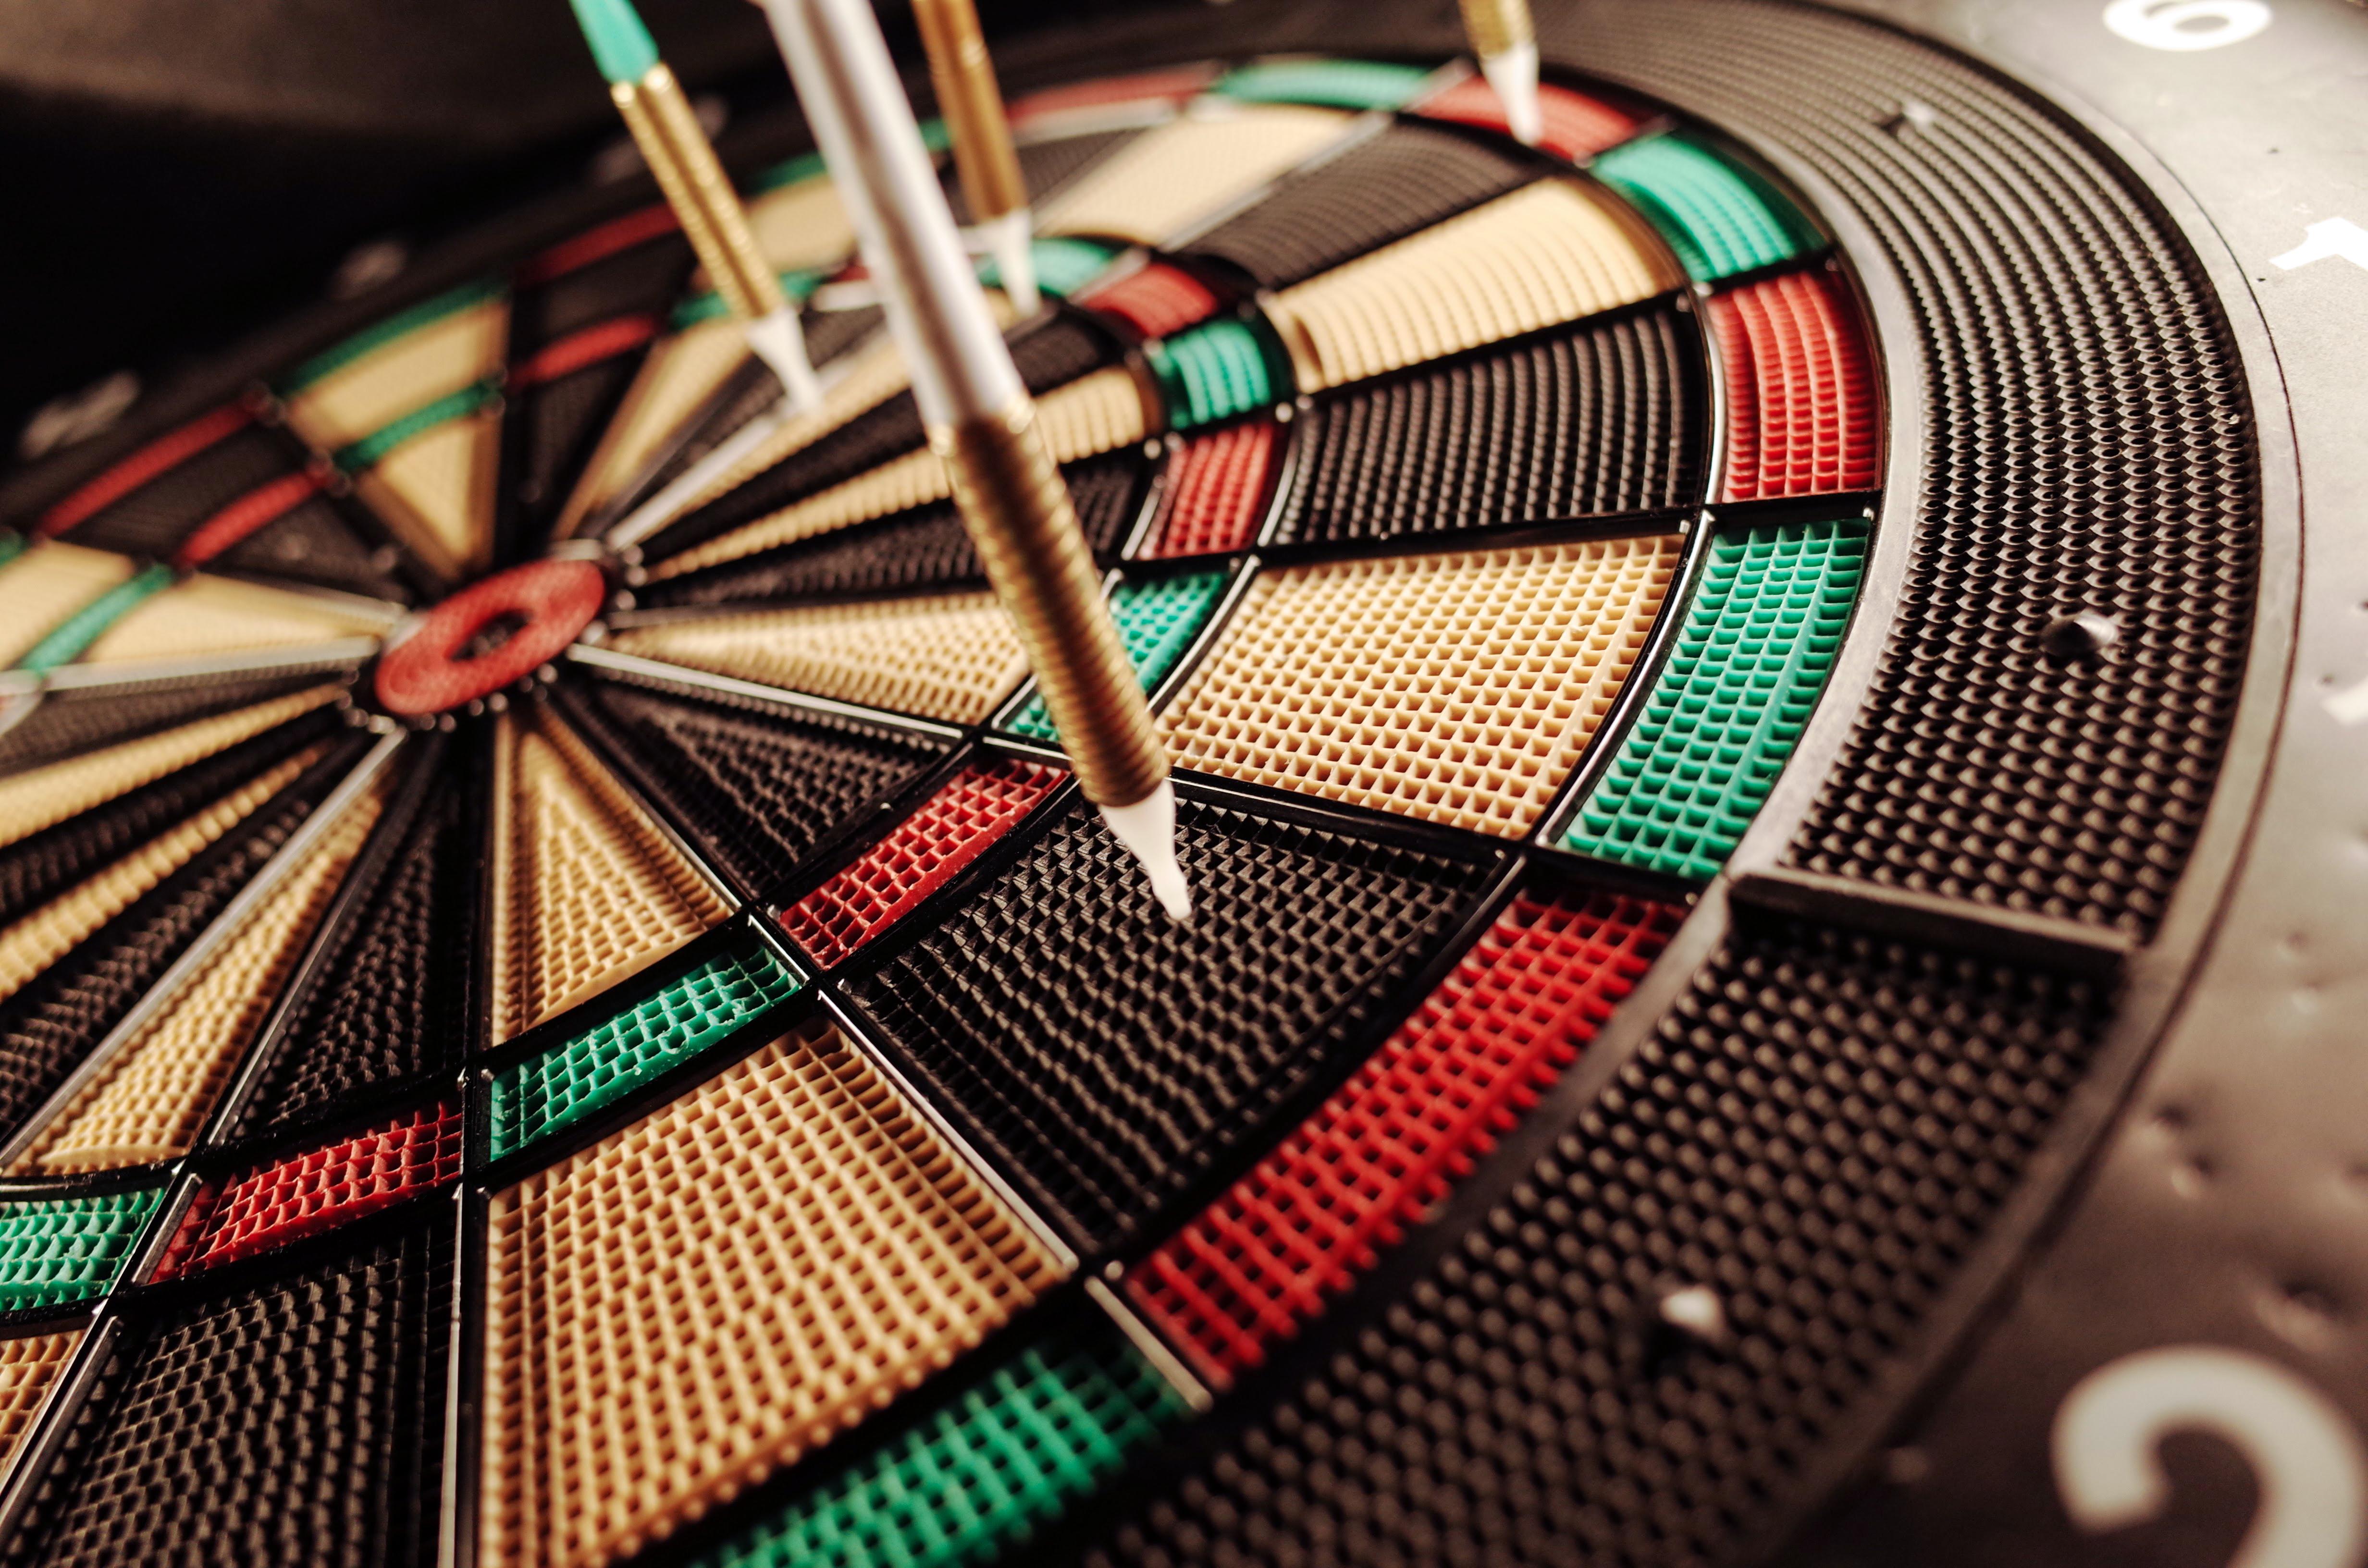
point(677, 149)
point(964, 74)
point(1507, 45)
point(981, 423)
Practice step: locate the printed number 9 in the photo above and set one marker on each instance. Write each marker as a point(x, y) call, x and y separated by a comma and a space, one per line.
point(2183, 25)
point(2314, 1480)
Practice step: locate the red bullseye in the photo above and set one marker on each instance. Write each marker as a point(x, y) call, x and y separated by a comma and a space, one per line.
point(545, 604)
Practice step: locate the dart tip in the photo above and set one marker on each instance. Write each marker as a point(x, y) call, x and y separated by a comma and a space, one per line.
point(1010, 240)
point(1148, 830)
point(777, 340)
point(1514, 74)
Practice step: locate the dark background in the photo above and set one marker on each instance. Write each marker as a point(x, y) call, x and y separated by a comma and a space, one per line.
point(174, 172)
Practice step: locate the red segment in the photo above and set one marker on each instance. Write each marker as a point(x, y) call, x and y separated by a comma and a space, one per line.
point(587, 346)
point(923, 852)
point(1576, 127)
point(317, 1190)
point(1149, 86)
point(1260, 1261)
point(1800, 389)
point(553, 602)
point(1215, 495)
point(598, 245)
point(159, 457)
point(1154, 300)
point(266, 504)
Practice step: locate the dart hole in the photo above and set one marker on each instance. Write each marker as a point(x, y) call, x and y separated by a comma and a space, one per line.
point(492, 635)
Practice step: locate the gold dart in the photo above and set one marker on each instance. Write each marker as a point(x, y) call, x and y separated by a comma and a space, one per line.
point(677, 151)
point(982, 424)
point(1507, 47)
point(964, 74)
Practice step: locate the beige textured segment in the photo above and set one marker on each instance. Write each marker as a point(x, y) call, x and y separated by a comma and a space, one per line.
point(698, 1300)
point(46, 584)
point(801, 225)
point(436, 490)
point(1097, 412)
point(587, 885)
point(37, 940)
point(676, 376)
point(29, 1371)
point(204, 614)
point(371, 392)
point(152, 1101)
point(1549, 253)
point(874, 375)
point(43, 796)
point(1156, 186)
point(1456, 689)
point(951, 656)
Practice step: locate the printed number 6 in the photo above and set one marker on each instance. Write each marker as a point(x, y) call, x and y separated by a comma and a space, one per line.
point(2312, 1475)
point(2184, 25)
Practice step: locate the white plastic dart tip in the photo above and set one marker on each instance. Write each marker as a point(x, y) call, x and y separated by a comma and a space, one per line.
point(1148, 830)
point(780, 343)
point(1514, 73)
point(1010, 241)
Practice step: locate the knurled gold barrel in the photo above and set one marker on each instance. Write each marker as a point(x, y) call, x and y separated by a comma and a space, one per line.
point(964, 75)
point(1496, 25)
point(1019, 517)
point(676, 151)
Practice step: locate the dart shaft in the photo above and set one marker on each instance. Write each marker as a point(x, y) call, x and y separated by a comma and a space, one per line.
point(676, 151)
point(1497, 27)
point(972, 103)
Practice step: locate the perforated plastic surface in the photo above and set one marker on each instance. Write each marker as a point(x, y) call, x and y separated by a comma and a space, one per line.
point(1575, 126)
point(1215, 493)
point(1110, 1056)
point(1261, 1260)
point(72, 722)
point(1801, 403)
point(758, 788)
point(54, 1250)
point(1216, 370)
point(1597, 419)
point(1456, 689)
point(920, 855)
point(1722, 718)
point(846, 1248)
point(294, 1422)
point(651, 1034)
point(1821, 1127)
point(318, 1189)
point(1013, 1448)
point(151, 519)
point(1549, 253)
point(1719, 216)
point(1157, 620)
point(29, 1370)
point(1156, 299)
point(47, 583)
point(949, 656)
point(1394, 183)
point(204, 614)
point(1150, 189)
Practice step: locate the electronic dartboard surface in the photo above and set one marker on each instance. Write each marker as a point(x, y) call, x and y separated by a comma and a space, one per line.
point(1773, 775)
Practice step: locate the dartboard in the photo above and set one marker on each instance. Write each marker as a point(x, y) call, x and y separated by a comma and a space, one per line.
point(1771, 807)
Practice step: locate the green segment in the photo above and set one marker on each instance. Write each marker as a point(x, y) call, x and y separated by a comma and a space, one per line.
point(621, 47)
point(366, 452)
point(1213, 371)
point(1336, 84)
point(1750, 662)
point(1156, 620)
point(798, 286)
point(402, 323)
point(583, 1075)
point(67, 642)
point(1719, 217)
point(12, 545)
point(1063, 265)
point(54, 1250)
point(978, 1478)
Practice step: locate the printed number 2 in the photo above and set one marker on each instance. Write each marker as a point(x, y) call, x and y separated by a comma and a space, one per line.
point(2313, 1474)
point(2183, 25)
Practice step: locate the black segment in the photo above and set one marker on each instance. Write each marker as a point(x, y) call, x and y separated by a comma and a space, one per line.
point(925, 548)
point(387, 1005)
point(645, 280)
point(1108, 1055)
point(551, 430)
point(48, 1027)
point(759, 789)
point(830, 334)
point(1046, 166)
point(2088, 449)
point(1581, 423)
point(318, 541)
point(153, 520)
point(1817, 1134)
point(68, 722)
point(1396, 182)
point(300, 1421)
point(35, 868)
